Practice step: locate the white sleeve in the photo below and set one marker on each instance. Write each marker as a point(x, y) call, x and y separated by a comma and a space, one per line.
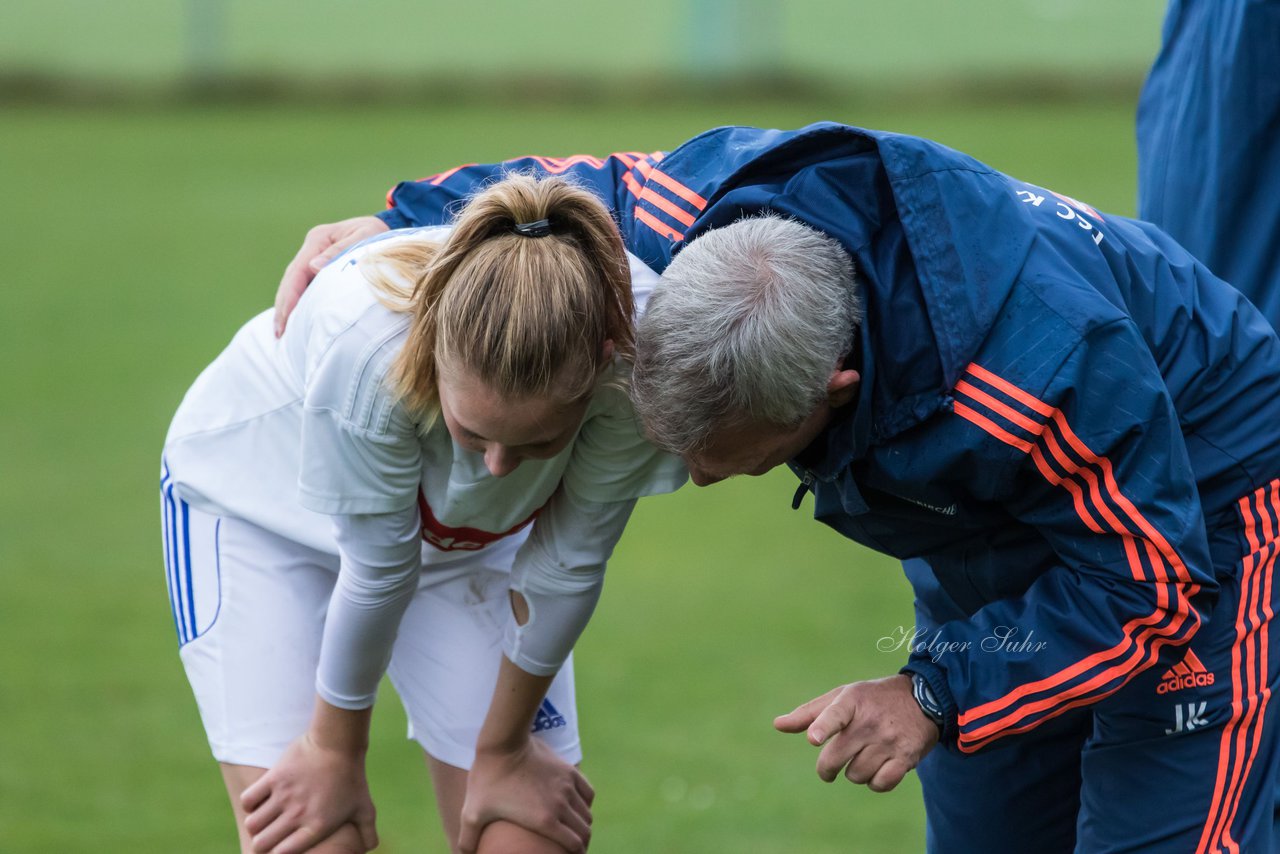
point(560, 571)
point(611, 459)
point(360, 450)
point(381, 561)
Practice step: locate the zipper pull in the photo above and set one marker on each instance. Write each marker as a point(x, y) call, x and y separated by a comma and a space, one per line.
point(806, 483)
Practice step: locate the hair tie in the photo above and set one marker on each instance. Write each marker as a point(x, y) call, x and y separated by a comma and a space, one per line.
point(540, 228)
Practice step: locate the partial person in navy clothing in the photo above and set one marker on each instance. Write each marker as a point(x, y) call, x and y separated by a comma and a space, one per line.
point(1209, 141)
point(1065, 426)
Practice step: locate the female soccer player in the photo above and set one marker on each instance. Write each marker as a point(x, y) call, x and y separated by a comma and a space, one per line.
point(461, 386)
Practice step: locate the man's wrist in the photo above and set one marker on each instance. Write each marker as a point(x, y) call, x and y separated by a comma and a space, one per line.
point(927, 701)
point(393, 218)
point(939, 692)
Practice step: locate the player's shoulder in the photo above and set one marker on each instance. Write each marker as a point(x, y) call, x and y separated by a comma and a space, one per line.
point(358, 299)
point(352, 329)
point(350, 283)
point(610, 417)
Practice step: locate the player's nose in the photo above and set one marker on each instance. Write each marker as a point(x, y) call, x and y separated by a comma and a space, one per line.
point(500, 460)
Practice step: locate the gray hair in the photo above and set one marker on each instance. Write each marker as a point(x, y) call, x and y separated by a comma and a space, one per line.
point(745, 326)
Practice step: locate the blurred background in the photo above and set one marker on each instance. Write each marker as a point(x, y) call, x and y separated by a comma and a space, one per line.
point(160, 161)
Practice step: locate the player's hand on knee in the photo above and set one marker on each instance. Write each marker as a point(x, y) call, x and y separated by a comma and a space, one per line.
point(874, 731)
point(322, 244)
point(306, 797)
point(531, 787)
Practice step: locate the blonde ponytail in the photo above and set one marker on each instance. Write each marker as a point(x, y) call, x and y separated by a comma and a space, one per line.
point(520, 313)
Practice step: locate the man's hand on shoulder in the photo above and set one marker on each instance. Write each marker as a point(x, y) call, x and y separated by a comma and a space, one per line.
point(873, 730)
point(322, 244)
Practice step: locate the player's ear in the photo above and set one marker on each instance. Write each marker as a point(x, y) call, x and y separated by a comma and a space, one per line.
point(842, 386)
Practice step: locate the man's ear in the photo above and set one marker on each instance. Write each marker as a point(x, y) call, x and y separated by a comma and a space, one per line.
point(842, 387)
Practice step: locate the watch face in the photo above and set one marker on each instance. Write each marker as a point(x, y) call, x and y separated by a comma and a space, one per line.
point(924, 697)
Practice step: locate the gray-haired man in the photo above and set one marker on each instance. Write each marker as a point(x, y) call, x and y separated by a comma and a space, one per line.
point(1029, 492)
point(1033, 405)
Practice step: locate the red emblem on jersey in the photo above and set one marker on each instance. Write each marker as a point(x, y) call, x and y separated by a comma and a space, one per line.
point(448, 539)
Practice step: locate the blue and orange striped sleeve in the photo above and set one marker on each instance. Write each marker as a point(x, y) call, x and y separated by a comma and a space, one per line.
point(618, 179)
point(1098, 468)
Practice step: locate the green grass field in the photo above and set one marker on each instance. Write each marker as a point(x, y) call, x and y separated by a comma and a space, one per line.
point(136, 242)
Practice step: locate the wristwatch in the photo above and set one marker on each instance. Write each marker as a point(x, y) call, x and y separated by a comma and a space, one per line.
point(926, 700)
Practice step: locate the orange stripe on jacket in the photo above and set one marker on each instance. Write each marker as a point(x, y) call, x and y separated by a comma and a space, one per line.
point(632, 185)
point(1268, 533)
point(631, 158)
point(1035, 428)
point(556, 165)
point(1264, 638)
point(1229, 765)
point(653, 173)
point(1039, 430)
point(1136, 633)
point(1104, 464)
point(991, 427)
point(435, 180)
point(974, 744)
point(1027, 400)
point(1123, 646)
point(1143, 650)
point(1132, 645)
point(662, 204)
point(1095, 490)
point(1256, 684)
point(635, 161)
point(1256, 592)
point(1032, 427)
point(657, 225)
point(1171, 556)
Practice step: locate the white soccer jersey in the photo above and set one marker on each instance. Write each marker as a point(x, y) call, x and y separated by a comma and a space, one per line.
point(302, 437)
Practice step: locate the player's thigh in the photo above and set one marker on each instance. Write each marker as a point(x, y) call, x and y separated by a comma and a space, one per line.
point(248, 609)
point(445, 665)
point(1022, 795)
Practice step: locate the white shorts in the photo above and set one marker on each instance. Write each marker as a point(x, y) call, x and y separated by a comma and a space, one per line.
point(249, 609)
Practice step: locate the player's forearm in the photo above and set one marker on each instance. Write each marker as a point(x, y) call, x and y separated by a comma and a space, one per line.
point(559, 573)
point(515, 702)
point(381, 562)
point(343, 730)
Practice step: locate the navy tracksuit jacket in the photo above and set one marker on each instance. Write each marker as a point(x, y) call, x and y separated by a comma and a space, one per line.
point(1067, 427)
point(1209, 140)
